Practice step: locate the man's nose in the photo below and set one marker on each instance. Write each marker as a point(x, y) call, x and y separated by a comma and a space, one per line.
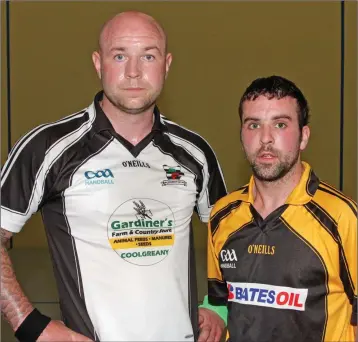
point(133, 69)
point(266, 135)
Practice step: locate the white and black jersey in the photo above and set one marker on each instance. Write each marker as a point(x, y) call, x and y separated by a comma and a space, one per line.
point(117, 219)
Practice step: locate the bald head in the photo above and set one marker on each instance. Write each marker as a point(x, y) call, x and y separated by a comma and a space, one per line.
point(131, 23)
point(132, 62)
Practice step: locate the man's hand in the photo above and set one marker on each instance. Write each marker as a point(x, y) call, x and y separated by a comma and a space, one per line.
point(211, 326)
point(57, 331)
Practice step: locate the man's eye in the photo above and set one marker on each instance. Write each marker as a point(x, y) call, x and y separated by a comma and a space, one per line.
point(119, 57)
point(253, 126)
point(149, 58)
point(281, 125)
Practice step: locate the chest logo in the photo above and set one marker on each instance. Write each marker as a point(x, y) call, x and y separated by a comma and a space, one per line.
point(99, 177)
point(142, 231)
point(278, 297)
point(228, 258)
point(227, 255)
point(173, 174)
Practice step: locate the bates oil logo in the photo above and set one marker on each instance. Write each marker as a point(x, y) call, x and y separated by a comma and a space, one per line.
point(277, 297)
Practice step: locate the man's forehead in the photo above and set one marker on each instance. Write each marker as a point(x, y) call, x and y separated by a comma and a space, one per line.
point(134, 41)
point(263, 104)
point(132, 35)
point(266, 102)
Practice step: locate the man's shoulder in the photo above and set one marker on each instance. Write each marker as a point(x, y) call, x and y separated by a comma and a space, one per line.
point(46, 134)
point(231, 201)
point(333, 201)
point(185, 134)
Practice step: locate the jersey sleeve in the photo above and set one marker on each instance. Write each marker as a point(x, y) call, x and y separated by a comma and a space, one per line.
point(347, 227)
point(22, 179)
point(217, 288)
point(214, 186)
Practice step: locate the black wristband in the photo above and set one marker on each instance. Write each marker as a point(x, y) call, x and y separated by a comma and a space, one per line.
point(32, 326)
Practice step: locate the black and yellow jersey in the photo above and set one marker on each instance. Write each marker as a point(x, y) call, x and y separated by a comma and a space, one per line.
point(290, 276)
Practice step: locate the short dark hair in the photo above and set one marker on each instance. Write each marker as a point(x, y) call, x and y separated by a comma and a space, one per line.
point(277, 87)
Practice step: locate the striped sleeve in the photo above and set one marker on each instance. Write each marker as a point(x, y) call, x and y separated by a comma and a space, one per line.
point(26, 175)
point(347, 227)
point(214, 187)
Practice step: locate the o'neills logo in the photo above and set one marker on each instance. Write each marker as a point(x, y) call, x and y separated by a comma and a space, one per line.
point(141, 231)
point(261, 249)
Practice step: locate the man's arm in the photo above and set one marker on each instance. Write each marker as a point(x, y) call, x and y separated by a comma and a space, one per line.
point(15, 306)
point(347, 228)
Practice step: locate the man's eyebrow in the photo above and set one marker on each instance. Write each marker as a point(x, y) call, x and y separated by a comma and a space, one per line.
point(147, 48)
point(121, 49)
point(282, 116)
point(251, 118)
point(276, 117)
point(151, 47)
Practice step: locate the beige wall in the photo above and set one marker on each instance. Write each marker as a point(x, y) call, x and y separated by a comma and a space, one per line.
point(350, 102)
point(219, 48)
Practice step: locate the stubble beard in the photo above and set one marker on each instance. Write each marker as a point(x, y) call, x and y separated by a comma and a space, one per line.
point(276, 171)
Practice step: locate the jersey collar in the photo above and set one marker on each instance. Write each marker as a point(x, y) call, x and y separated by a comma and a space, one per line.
point(102, 123)
point(302, 193)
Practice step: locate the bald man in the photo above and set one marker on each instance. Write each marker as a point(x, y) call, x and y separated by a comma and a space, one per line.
point(117, 184)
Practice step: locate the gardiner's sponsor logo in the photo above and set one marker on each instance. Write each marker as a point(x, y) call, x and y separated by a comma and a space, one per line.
point(142, 231)
point(142, 224)
point(277, 297)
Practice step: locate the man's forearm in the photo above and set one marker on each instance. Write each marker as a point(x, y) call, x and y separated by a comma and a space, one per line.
point(14, 304)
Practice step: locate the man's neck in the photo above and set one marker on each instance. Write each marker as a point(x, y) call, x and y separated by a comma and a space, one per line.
point(268, 196)
point(132, 127)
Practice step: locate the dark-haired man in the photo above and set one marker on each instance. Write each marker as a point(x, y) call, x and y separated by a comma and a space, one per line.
point(283, 248)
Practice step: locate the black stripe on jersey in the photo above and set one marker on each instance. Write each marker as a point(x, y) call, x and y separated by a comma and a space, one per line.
point(221, 214)
point(30, 161)
point(354, 311)
point(219, 190)
point(244, 189)
point(339, 193)
point(328, 223)
point(217, 292)
point(343, 198)
point(323, 265)
point(26, 138)
point(62, 245)
point(312, 183)
point(166, 146)
point(345, 275)
point(192, 286)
